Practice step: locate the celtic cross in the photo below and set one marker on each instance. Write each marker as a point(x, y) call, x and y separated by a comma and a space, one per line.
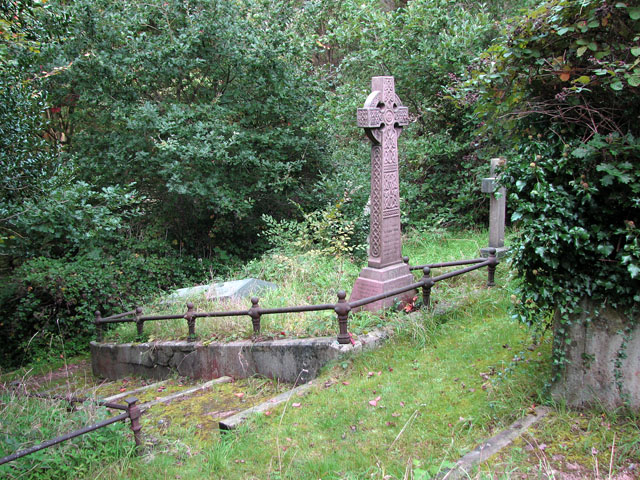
point(383, 117)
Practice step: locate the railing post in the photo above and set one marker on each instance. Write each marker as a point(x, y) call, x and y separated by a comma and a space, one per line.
point(98, 324)
point(427, 283)
point(134, 415)
point(491, 268)
point(191, 322)
point(139, 322)
point(343, 308)
point(254, 313)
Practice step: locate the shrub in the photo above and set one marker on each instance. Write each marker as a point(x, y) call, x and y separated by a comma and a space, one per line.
point(561, 92)
point(49, 304)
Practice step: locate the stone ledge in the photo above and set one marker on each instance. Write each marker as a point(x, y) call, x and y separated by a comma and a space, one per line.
point(292, 360)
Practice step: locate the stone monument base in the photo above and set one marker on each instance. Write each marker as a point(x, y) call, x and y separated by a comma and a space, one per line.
point(374, 281)
point(603, 365)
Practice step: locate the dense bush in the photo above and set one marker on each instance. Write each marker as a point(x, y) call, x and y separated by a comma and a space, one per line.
point(205, 105)
point(193, 127)
point(561, 91)
point(48, 305)
point(426, 46)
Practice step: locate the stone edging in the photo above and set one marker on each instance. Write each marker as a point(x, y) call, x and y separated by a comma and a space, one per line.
point(493, 445)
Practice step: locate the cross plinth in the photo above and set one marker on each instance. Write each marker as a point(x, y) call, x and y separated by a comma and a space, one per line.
point(382, 118)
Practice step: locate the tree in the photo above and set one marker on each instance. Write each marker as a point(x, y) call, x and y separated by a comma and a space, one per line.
point(205, 105)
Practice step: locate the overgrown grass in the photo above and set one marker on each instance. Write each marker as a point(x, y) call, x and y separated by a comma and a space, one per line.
point(25, 422)
point(311, 277)
point(586, 444)
point(448, 379)
point(304, 279)
point(444, 383)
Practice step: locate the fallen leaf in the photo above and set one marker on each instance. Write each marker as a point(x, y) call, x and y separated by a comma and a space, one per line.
point(375, 401)
point(345, 383)
point(239, 394)
point(394, 414)
point(379, 373)
point(370, 374)
point(402, 404)
point(267, 413)
point(296, 405)
point(123, 389)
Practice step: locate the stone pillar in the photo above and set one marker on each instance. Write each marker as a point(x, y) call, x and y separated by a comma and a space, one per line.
point(497, 211)
point(382, 118)
point(603, 359)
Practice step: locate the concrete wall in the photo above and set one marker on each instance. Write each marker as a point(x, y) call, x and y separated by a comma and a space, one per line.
point(590, 376)
point(291, 361)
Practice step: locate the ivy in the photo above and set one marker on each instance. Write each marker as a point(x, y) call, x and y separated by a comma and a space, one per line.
point(559, 93)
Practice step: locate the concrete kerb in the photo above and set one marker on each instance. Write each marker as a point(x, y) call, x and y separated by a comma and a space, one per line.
point(293, 361)
point(233, 422)
point(493, 445)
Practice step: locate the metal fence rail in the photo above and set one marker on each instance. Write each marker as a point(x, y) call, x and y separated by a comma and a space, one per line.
point(132, 413)
point(341, 307)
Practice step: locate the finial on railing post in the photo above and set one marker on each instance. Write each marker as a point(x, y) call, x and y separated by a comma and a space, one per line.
point(343, 308)
point(191, 321)
point(98, 324)
point(405, 259)
point(139, 322)
point(491, 268)
point(254, 313)
point(427, 283)
point(134, 416)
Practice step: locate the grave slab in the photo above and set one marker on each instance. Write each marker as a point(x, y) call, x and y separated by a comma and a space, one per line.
point(224, 290)
point(239, 289)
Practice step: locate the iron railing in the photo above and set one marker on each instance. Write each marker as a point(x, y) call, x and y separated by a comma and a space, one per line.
point(342, 307)
point(131, 411)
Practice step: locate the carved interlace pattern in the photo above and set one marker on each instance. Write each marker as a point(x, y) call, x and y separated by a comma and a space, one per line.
point(402, 116)
point(388, 92)
point(376, 188)
point(390, 143)
point(390, 193)
point(362, 118)
point(381, 124)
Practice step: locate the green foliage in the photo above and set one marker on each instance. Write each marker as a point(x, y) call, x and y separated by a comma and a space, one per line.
point(205, 105)
point(48, 305)
point(328, 231)
point(28, 422)
point(560, 91)
point(426, 46)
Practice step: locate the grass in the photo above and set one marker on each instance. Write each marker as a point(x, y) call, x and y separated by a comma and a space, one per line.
point(447, 380)
point(303, 279)
point(25, 422)
point(439, 387)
